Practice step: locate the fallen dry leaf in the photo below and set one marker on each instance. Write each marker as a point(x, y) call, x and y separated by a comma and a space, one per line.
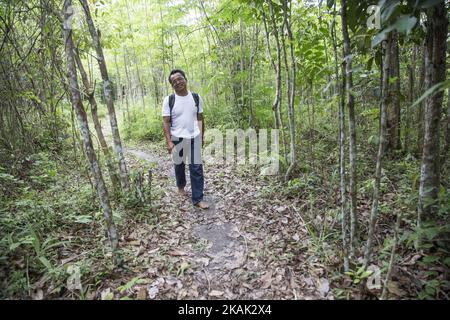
point(266, 280)
point(38, 294)
point(246, 285)
point(216, 293)
point(153, 251)
point(308, 281)
point(177, 253)
point(393, 288)
point(106, 294)
point(142, 294)
point(413, 260)
point(152, 292)
point(140, 251)
point(324, 286)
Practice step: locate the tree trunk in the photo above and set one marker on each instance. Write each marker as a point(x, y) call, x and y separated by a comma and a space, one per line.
point(420, 109)
point(412, 97)
point(446, 148)
point(436, 46)
point(393, 108)
point(98, 128)
point(352, 129)
point(290, 86)
point(392, 258)
point(242, 64)
point(163, 54)
point(107, 89)
point(119, 82)
point(269, 52)
point(277, 102)
point(343, 183)
point(82, 119)
point(128, 88)
point(253, 53)
point(272, 62)
point(136, 62)
point(381, 147)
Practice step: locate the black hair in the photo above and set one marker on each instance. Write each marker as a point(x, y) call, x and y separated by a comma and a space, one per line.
point(177, 71)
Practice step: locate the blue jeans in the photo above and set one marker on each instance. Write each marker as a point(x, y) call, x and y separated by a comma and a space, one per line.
point(191, 149)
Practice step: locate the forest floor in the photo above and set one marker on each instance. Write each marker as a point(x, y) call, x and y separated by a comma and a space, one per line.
point(262, 238)
point(245, 246)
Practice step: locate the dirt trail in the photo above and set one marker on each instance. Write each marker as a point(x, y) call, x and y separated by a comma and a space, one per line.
point(245, 246)
point(219, 247)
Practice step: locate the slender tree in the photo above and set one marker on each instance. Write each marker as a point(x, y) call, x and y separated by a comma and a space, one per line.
point(381, 149)
point(107, 89)
point(341, 115)
point(393, 107)
point(272, 62)
point(98, 128)
point(352, 128)
point(412, 97)
point(84, 128)
point(446, 148)
point(435, 68)
point(290, 84)
point(277, 102)
point(420, 110)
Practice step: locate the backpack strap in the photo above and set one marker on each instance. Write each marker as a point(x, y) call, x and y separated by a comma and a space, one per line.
point(196, 99)
point(171, 104)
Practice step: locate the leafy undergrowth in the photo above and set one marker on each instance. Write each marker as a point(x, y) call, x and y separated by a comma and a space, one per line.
point(262, 239)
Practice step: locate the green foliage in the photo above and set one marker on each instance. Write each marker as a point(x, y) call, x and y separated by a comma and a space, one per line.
point(42, 171)
point(359, 274)
point(146, 125)
point(433, 289)
point(45, 205)
point(130, 284)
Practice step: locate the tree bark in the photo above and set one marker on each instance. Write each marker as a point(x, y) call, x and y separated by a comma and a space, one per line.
point(107, 89)
point(84, 128)
point(392, 258)
point(254, 51)
point(98, 128)
point(119, 85)
point(269, 52)
point(242, 63)
point(128, 87)
point(135, 58)
point(381, 148)
point(412, 97)
point(272, 62)
point(290, 86)
point(341, 114)
point(446, 147)
point(436, 46)
point(393, 107)
point(277, 102)
point(352, 129)
point(421, 106)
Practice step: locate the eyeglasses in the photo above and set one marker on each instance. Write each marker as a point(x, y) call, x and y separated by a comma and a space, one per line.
point(177, 80)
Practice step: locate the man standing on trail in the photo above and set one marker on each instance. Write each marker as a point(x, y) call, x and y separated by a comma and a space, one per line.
point(183, 125)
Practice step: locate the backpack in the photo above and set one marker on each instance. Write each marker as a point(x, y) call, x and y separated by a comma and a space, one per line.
point(172, 103)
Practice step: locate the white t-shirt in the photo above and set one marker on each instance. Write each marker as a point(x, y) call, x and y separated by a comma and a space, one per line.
point(184, 115)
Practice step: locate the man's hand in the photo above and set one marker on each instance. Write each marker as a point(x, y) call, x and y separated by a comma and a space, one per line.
point(170, 147)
